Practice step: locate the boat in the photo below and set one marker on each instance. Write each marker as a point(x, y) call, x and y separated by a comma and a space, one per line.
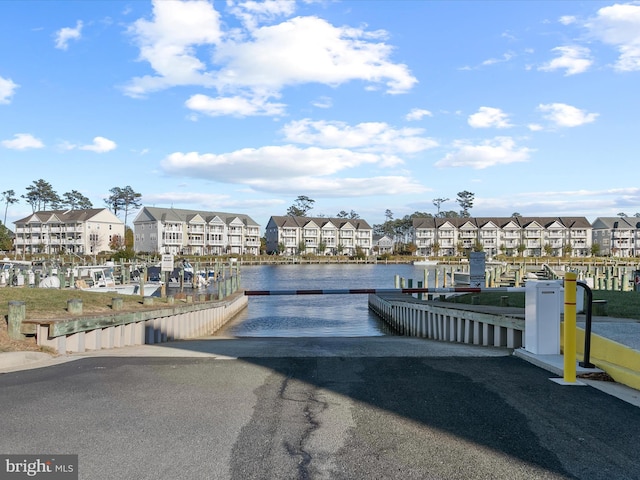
point(461, 279)
point(100, 279)
point(8, 266)
point(425, 262)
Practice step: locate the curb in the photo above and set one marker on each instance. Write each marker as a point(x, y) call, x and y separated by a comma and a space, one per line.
point(20, 359)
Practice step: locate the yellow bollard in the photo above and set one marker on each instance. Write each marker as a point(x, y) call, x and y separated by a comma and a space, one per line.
point(570, 288)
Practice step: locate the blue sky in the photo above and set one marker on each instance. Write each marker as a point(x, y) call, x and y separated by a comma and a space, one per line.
point(242, 106)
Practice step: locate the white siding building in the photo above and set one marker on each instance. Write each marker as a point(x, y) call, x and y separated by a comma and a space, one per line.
point(83, 232)
point(528, 236)
point(194, 232)
point(617, 236)
point(318, 235)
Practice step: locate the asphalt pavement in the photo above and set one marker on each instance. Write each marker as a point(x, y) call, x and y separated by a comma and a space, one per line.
point(316, 408)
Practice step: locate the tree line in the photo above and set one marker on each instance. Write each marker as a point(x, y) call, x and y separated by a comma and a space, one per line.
point(41, 196)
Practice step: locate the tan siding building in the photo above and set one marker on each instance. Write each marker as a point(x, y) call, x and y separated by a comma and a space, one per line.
point(83, 232)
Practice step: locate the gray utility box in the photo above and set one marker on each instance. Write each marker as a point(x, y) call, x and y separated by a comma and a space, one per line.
point(543, 305)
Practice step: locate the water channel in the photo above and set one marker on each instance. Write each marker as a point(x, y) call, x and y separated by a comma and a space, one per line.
point(314, 315)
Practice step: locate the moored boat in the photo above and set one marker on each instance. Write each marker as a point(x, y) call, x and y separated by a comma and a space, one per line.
point(100, 279)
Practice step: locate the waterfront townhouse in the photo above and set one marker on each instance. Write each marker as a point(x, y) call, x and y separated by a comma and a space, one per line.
point(292, 235)
point(527, 236)
point(382, 244)
point(83, 232)
point(617, 236)
point(194, 232)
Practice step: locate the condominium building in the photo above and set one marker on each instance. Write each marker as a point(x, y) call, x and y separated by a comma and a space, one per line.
point(195, 232)
point(382, 244)
point(617, 236)
point(527, 236)
point(83, 232)
point(321, 235)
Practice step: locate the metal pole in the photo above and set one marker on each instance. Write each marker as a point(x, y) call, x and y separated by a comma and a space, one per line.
point(587, 329)
point(570, 327)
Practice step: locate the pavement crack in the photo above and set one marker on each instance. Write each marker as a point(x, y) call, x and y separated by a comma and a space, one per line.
point(297, 447)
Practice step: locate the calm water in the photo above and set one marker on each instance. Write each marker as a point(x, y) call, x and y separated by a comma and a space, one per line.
point(314, 315)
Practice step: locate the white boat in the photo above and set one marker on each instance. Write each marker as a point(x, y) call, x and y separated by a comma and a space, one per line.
point(425, 262)
point(8, 266)
point(461, 279)
point(100, 279)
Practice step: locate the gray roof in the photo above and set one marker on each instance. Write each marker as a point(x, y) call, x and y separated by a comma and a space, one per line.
point(185, 215)
point(625, 223)
point(64, 215)
point(299, 222)
point(500, 222)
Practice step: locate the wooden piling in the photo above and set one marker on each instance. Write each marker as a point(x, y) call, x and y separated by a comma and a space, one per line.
point(74, 306)
point(17, 313)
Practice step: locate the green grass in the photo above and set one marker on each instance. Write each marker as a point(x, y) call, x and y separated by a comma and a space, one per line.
point(44, 303)
point(41, 303)
point(619, 304)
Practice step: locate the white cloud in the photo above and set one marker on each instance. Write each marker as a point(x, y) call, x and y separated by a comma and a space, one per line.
point(563, 115)
point(573, 59)
point(323, 102)
point(570, 202)
point(258, 61)
point(505, 58)
point(236, 106)
point(309, 50)
point(184, 197)
point(292, 169)
point(100, 145)
point(567, 19)
point(168, 43)
point(64, 35)
point(23, 141)
point(212, 201)
point(250, 165)
point(418, 114)
point(251, 13)
point(7, 89)
point(535, 127)
point(499, 151)
point(487, 117)
point(343, 187)
point(619, 25)
point(368, 136)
